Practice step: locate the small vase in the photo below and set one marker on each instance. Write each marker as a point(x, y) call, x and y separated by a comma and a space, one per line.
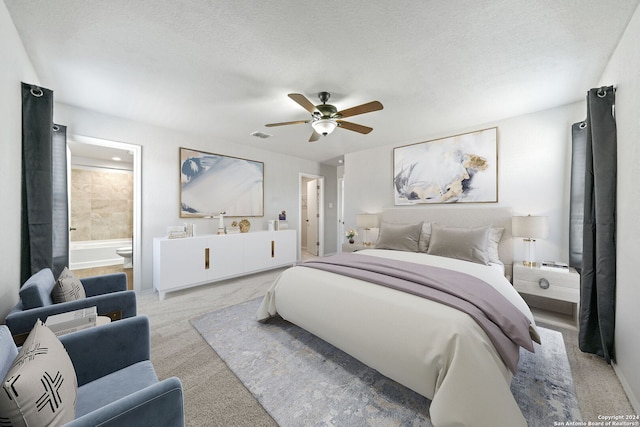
point(351, 241)
point(245, 225)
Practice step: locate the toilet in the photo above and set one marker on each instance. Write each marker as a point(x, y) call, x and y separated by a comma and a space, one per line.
point(127, 254)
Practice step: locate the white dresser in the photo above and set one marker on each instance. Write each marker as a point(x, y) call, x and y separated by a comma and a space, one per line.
point(193, 261)
point(549, 291)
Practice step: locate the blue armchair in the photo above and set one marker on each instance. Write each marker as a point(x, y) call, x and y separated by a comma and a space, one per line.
point(117, 384)
point(108, 293)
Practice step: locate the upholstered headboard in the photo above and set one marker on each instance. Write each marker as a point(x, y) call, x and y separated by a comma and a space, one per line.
point(457, 216)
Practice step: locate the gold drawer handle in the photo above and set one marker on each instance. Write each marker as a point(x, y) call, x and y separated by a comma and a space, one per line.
point(206, 258)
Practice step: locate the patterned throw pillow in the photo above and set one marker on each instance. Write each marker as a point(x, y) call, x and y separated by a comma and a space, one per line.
point(68, 288)
point(41, 385)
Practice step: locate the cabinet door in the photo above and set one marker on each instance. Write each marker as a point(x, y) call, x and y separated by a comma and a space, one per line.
point(225, 256)
point(182, 262)
point(257, 250)
point(284, 247)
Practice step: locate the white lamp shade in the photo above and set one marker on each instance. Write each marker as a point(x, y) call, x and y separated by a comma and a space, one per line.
point(324, 126)
point(530, 226)
point(366, 220)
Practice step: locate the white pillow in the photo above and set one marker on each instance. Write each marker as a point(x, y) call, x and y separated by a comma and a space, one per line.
point(425, 237)
point(41, 386)
point(495, 235)
point(67, 288)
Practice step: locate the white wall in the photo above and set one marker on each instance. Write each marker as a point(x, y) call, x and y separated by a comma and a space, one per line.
point(623, 72)
point(534, 165)
point(161, 179)
point(15, 68)
point(534, 177)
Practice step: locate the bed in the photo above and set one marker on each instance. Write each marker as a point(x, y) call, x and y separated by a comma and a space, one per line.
point(428, 346)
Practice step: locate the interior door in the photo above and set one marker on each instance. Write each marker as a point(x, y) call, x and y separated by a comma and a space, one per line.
point(340, 213)
point(312, 216)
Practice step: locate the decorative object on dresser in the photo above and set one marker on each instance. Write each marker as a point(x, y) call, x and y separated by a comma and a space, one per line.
point(553, 295)
point(216, 183)
point(244, 225)
point(183, 263)
point(177, 232)
point(281, 224)
point(460, 168)
point(220, 218)
point(234, 229)
point(530, 227)
point(366, 221)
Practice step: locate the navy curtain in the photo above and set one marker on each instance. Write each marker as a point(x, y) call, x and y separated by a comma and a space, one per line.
point(38, 176)
point(598, 272)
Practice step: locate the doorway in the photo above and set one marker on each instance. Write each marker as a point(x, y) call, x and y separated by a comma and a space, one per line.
point(340, 213)
point(90, 150)
point(311, 196)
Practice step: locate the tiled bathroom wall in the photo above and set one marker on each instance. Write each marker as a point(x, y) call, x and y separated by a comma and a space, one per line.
point(101, 204)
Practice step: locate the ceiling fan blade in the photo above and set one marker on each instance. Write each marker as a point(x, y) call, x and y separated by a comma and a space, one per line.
point(361, 109)
point(297, 122)
point(354, 127)
point(314, 136)
point(303, 102)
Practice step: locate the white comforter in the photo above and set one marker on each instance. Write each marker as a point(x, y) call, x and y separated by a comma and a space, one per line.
point(435, 350)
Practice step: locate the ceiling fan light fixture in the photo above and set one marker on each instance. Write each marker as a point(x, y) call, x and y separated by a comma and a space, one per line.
point(324, 126)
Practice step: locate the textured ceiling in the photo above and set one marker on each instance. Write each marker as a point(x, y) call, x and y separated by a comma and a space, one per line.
point(222, 69)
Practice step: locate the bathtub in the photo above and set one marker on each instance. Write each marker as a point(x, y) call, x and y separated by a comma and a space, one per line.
point(95, 253)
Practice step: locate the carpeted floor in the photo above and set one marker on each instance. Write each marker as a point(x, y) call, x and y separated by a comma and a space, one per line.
point(215, 397)
point(271, 358)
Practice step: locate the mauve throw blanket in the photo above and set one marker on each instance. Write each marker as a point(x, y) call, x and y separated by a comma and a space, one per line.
point(507, 327)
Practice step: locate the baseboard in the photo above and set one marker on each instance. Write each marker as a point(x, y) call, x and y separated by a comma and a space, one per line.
point(633, 399)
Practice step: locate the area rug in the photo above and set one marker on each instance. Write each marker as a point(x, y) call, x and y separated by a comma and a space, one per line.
point(302, 380)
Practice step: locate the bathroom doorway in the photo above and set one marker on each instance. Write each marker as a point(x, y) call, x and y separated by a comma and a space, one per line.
point(105, 207)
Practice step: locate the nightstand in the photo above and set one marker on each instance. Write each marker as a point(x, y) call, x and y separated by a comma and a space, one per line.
point(554, 296)
point(352, 247)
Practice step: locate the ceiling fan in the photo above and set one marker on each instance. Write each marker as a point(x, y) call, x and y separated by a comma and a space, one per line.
point(326, 117)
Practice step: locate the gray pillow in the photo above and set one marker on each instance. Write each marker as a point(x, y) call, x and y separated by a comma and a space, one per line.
point(41, 386)
point(67, 288)
point(468, 244)
point(399, 237)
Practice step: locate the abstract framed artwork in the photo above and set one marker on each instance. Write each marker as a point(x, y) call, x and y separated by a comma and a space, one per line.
point(213, 183)
point(456, 169)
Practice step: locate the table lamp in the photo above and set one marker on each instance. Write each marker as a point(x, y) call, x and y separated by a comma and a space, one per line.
point(366, 221)
point(530, 227)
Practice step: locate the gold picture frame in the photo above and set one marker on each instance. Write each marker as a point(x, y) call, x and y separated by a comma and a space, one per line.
point(211, 183)
point(456, 169)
